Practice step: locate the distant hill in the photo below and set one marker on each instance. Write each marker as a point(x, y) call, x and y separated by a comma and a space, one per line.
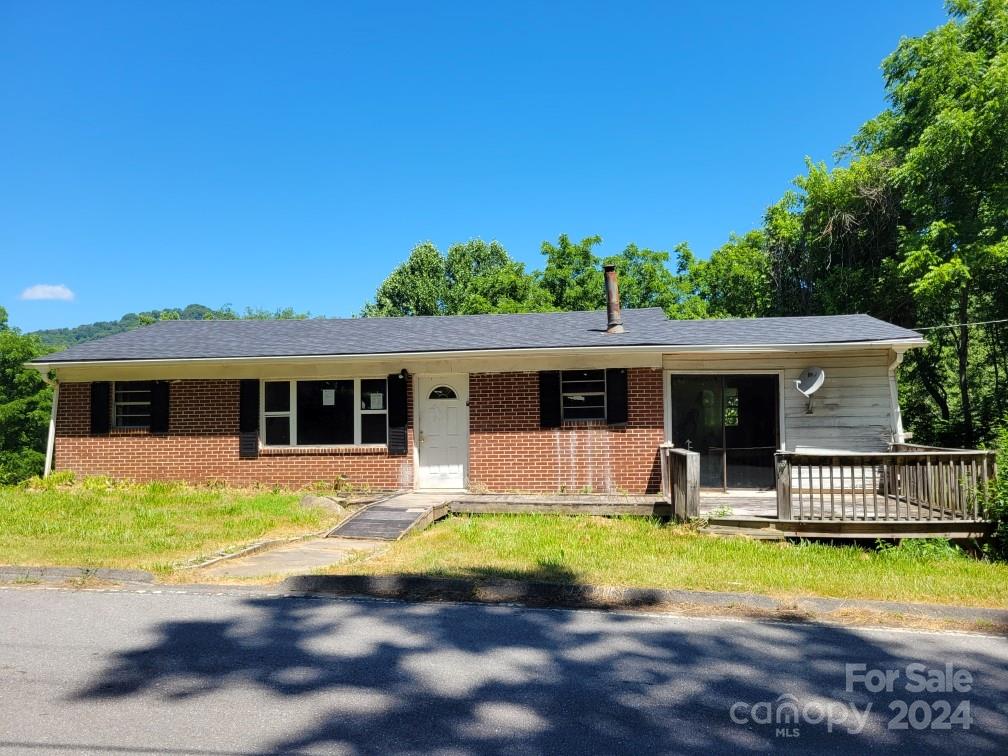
point(60, 338)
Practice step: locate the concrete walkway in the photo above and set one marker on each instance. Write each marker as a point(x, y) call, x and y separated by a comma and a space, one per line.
point(365, 531)
point(295, 558)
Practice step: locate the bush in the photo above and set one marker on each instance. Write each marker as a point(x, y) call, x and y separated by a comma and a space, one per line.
point(996, 505)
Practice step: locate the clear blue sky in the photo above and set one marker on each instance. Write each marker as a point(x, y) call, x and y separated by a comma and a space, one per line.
point(274, 154)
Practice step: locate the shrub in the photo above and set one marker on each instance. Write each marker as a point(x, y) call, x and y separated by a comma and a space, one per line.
point(996, 505)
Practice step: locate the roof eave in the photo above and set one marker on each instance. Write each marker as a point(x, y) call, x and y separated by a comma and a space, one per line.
point(899, 344)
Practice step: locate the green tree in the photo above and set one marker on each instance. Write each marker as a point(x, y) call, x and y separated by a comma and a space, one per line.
point(416, 287)
point(736, 281)
point(573, 274)
point(830, 241)
point(25, 402)
point(574, 280)
point(946, 133)
point(472, 277)
point(481, 277)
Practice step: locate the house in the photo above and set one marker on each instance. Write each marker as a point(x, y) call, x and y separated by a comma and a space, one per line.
point(552, 402)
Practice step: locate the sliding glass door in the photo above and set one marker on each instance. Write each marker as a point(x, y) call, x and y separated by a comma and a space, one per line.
point(732, 422)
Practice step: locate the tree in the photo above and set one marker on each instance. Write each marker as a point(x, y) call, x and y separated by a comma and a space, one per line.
point(946, 132)
point(828, 241)
point(473, 277)
point(482, 278)
point(573, 276)
point(574, 280)
point(736, 281)
point(25, 402)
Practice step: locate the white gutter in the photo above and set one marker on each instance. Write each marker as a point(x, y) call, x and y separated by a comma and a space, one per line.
point(51, 442)
point(899, 436)
point(447, 355)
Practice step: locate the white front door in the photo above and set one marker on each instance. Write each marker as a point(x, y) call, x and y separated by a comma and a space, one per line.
point(442, 431)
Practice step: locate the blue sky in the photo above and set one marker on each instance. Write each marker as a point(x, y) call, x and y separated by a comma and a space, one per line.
point(291, 154)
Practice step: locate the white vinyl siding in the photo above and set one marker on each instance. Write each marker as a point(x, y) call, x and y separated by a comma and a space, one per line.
point(852, 411)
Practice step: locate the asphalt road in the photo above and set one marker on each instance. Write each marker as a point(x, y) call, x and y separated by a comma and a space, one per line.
point(193, 671)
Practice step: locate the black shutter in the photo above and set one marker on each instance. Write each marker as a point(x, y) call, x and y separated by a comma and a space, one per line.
point(397, 414)
point(248, 418)
point(549, 399)
point(160, 391)
point(248, 406)
point(616, 396)
point(101, 411)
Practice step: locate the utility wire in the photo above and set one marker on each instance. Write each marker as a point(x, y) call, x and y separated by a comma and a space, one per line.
point(960, 325)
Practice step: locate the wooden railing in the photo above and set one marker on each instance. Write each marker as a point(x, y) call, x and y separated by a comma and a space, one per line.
point(681, 480)
point(909, 482)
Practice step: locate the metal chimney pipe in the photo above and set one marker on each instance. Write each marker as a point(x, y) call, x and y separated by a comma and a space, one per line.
point(613, 311)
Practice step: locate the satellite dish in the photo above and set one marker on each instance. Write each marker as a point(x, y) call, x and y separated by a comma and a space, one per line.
point(810, 381)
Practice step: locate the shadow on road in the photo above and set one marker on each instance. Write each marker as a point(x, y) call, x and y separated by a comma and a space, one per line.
point(422, 677)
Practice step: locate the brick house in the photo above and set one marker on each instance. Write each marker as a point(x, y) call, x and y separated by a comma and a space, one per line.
point(549, 402)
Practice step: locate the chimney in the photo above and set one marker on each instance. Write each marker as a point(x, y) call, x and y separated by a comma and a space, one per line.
point(613, 311)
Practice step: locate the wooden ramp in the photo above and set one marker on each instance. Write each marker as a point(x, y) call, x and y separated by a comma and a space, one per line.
point(393, 518)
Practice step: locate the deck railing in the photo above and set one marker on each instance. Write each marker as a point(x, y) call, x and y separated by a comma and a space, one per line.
point(681, 480)
point(909, 482)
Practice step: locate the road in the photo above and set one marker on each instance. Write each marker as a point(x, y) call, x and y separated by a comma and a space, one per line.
point(248, 672)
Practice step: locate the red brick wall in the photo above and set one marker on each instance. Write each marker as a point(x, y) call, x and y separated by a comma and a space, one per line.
point(202, 445)
point(509, 452)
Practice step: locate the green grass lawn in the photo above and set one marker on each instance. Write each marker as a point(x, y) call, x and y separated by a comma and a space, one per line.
point(640, 552)
point(156, 527)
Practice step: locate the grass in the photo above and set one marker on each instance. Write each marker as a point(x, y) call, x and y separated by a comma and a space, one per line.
point(158, 526)
point(648, 553)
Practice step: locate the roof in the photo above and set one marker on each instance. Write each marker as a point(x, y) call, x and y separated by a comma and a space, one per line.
point(224, 339)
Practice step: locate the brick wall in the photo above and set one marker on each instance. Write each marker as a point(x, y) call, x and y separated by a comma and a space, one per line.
point(202, 445)
point(509, 452)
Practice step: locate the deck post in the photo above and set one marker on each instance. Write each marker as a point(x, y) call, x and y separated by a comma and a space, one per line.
point(692, 485)
point(783, 465)
point(666, 481)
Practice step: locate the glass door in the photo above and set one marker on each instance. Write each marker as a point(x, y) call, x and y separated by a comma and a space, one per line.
point(731, 421)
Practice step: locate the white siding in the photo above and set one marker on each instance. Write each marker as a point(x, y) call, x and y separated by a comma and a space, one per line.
point(852, 411)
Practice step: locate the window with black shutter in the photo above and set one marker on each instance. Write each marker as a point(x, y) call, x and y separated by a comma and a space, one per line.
point(131, 404)
point(582, 395)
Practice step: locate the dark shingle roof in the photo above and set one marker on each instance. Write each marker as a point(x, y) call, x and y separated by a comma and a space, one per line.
point(209, 339)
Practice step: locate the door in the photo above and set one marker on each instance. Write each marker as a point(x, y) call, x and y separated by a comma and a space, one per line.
point(732, 422)
point(442, 431)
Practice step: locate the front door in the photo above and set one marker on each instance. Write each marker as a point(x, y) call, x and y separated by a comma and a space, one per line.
point(442, 431)
point(732, 422)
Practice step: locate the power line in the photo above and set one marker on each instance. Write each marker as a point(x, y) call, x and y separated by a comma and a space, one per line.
point(960, 325)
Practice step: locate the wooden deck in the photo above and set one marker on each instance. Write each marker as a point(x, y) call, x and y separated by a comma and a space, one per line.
point(755, 513)
point(906, 492)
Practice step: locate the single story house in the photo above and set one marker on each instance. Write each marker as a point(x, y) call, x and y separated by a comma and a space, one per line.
point(552, 402)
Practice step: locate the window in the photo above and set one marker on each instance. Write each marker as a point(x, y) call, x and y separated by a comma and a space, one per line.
point(583, 394)
point(442, 392)
point(731, 406)
point(132, 405)
point(325, 412)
